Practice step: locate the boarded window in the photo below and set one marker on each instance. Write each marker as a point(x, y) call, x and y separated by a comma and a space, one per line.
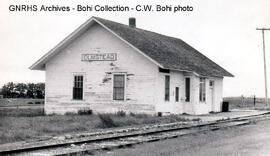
point(119, 87)
point(176, 94)
point(78, 87)
point(202, 90)
point(167, 88)
point(187, 89)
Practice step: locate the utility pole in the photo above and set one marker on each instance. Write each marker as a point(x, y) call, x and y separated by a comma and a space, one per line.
point(265, 75)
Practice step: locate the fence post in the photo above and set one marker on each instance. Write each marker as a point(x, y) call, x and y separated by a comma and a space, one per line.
point(242, 100)
point(254, 101)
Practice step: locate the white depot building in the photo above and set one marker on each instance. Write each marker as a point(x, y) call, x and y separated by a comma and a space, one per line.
point(108, 67)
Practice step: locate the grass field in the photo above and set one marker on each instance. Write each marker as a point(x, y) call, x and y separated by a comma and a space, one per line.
point(21, 112)
point(244, 102)
point(18, 124)
point(20, 102)
point(25, 124)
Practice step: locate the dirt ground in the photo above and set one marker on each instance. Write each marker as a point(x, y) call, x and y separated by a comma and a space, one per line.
point(248, 140)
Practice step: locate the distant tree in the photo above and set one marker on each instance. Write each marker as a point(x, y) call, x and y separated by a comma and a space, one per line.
point(40, 90)
point(30, 90)
point(22, 90)
point(5, 91)
point(8, 90)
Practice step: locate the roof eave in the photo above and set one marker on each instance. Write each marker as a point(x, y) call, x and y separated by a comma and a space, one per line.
point(199, 75)
point(42, 61)
point(230, 75)
point(38, 67)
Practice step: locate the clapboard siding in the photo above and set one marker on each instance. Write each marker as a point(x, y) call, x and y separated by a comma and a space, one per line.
point(144, 87)
point(140, 76)
point(194, 106)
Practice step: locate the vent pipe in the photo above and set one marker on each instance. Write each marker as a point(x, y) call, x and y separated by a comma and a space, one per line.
point(132, 22)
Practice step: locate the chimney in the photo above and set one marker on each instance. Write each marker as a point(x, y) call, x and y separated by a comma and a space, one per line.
point(132, 22)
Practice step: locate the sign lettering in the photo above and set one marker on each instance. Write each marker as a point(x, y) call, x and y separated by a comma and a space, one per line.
point(99, 57)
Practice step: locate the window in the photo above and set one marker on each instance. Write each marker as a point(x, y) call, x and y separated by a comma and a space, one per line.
point(202, 90)
point(211, 84)
point(78, 87)
point(176, 94)
point(187, 87)
point(167, 88)
point(119, 87)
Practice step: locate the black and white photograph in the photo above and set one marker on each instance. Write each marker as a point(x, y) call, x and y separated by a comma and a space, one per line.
point(134, 78)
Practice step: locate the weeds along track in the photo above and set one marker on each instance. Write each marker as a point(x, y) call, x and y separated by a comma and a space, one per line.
point(122, 137)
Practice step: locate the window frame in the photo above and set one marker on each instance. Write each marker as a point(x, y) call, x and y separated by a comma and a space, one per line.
point(211, 84)
point(73, 85)
point(202, 89)
point(187, 99)
point(165, 88)
point(125, 80)
point(176, 94)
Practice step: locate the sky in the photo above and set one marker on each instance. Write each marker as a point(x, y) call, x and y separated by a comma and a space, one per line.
point(223, 30)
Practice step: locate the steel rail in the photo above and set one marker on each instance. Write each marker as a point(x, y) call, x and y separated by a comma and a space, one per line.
point(215, 126)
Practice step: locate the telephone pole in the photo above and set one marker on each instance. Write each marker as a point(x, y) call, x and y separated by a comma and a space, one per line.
point(265, 75)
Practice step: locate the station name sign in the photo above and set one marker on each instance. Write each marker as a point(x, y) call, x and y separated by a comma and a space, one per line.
point(99, 57)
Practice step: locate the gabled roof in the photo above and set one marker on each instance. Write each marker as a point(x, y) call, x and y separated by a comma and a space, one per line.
point(167, 52)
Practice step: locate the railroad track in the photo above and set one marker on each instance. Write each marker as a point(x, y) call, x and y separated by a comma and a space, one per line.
point(122, 138)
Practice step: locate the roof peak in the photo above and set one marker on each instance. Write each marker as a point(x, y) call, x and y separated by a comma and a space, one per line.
point(167, 52)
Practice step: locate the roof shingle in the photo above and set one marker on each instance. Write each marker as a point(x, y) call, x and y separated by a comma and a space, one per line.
point(171, 53)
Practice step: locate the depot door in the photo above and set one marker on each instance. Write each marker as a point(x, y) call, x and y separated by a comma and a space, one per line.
point(211, 94)
point(177, 100)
